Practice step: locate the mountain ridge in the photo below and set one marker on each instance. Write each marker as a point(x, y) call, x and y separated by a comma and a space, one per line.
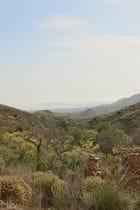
point(108, 108)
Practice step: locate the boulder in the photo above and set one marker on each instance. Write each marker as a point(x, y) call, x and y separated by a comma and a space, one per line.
point(92, 168)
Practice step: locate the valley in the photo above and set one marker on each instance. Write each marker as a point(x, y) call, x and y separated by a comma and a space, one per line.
point(61, 161)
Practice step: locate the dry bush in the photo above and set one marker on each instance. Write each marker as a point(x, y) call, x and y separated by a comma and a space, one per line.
point(15, 189)
point(137, 204)
point(12, 207)
point(1, 167)
point(73, 196)
point(20, 171)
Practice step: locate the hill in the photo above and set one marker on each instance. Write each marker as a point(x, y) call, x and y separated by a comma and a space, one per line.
point(12, 119)
point(89, 111)
point(104, 109)
point(34, 125)
point(128, 118)
point(48, 152)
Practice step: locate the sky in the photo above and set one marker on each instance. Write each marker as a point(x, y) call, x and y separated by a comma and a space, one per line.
point(68, 51)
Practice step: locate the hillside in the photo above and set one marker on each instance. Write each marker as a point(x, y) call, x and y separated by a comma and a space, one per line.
point(34, 125)
point(12, 119)
point(104, 109)
point(129, 118)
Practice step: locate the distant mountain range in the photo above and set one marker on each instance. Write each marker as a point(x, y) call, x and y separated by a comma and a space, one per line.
point(63, 107)
point(95, 111)
point(81, 111)
point(104, 109)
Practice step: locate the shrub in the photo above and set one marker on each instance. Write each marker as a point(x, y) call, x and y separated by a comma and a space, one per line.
point(51, 186)
point(109, 136)
point(14, 208)
point(15, 150)
point(15, 189)
point(137, 204)
point(74, 159)
point(100, 195)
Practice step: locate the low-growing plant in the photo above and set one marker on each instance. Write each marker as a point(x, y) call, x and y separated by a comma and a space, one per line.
point(74, 159)
point(101, 195)
point(14, 189)
point(51, 187)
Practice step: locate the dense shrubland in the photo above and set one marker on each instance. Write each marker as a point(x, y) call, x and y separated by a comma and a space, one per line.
point(65, 164)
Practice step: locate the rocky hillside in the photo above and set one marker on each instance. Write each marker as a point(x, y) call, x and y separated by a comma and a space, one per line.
point(128, 118)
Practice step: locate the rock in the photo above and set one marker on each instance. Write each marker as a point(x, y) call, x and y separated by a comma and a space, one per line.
point(92, 168)
point(131, 160)
point(131, 166)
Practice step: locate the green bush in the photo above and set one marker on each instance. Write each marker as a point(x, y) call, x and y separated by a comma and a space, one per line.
point(74, 159)
point(15, 189)
point(109, 136)
point(100, 195)
point(51, 187)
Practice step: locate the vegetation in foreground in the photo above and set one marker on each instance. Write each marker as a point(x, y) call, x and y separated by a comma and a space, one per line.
point(58, 163)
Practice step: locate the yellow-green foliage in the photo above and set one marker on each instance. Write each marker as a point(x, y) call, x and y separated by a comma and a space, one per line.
point(15, 189)
point(92, 183)
point(85, 138)
point(14, 150)
point(49, 184)
point(101, 195)
point(73, 159)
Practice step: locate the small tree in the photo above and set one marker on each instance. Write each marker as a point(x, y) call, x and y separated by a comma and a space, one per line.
point(85, 138)
point(109, 136)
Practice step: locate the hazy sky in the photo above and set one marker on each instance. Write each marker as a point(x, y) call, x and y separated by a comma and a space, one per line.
point(68, 50)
